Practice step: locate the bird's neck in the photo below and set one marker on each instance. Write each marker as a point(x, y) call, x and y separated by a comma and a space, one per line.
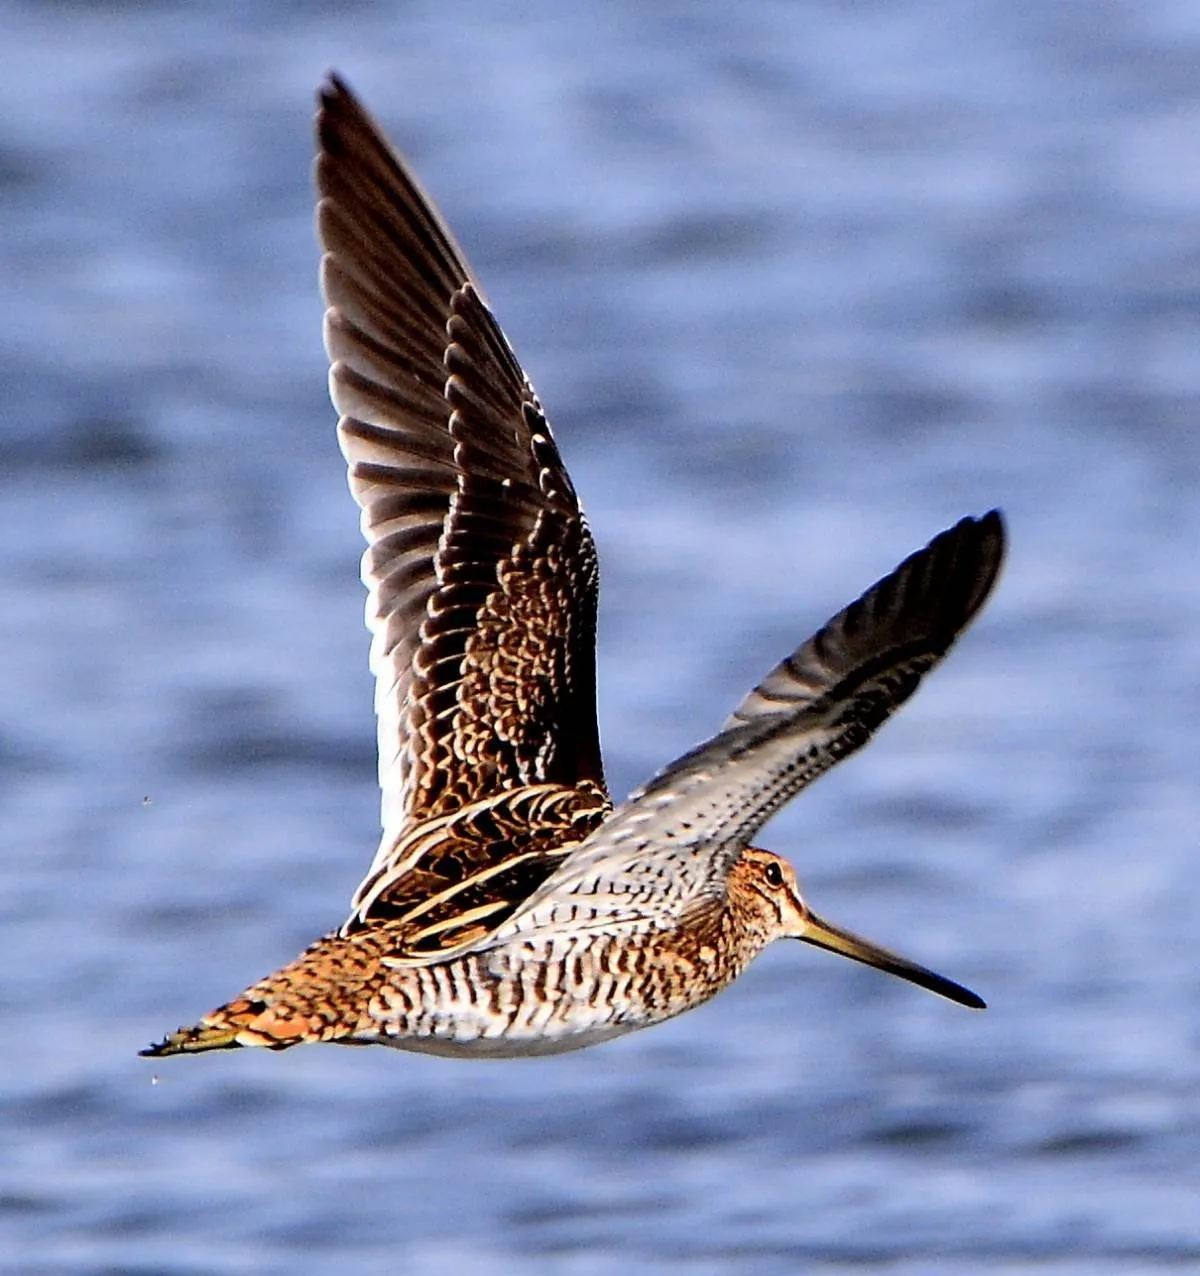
point(724, 937)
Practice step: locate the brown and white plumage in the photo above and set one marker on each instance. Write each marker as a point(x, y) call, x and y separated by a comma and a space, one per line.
point(509, 909)
point(480, 568)
point(476, 542)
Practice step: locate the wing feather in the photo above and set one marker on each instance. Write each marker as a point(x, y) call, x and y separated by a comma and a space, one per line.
point(480, 569)
point(669, 847)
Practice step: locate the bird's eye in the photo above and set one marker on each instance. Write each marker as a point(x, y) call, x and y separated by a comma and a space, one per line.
point(774, 874)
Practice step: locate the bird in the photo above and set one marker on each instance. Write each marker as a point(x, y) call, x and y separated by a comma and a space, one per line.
point(512, 908)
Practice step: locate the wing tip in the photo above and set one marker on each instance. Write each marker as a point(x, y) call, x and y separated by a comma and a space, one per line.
point(343, 124)
point(952, 576)
point(333, 90)
point(981, 543)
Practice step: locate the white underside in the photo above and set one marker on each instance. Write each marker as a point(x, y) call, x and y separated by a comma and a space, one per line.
point(499, 1047)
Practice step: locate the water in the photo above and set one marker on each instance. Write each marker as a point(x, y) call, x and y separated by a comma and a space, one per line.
point(800, 285)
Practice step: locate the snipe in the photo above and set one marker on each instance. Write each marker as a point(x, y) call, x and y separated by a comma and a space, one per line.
point(510, 909)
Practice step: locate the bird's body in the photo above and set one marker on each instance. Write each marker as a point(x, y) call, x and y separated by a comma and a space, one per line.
point(574, 990)
point(510, 909)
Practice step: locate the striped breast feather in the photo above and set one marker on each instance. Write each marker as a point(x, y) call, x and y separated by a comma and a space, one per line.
point(670, 846)
point(480, 568)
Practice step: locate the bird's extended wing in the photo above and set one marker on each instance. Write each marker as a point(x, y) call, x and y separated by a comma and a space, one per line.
point(670, 846)
point(480, 567)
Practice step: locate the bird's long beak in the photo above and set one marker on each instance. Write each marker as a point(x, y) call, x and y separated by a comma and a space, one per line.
point(819, 932)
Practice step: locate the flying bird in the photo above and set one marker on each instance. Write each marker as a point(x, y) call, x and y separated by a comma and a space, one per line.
point(510, 908)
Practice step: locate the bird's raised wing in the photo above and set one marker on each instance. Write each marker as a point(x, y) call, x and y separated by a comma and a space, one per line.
point(480, 567)
point(669, 847)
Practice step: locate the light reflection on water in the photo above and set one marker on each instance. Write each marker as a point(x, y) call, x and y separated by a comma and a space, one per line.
point(800, 287)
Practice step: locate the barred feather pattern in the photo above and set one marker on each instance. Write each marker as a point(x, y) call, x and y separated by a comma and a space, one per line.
point(450, 880)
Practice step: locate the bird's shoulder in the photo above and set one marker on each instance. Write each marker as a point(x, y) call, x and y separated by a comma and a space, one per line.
point(450, 881)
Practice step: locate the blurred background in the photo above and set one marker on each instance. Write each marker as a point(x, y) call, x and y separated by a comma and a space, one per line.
point(800, 284)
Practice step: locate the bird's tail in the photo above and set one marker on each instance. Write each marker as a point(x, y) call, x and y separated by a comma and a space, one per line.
point(242, 1022)
point(324, 995)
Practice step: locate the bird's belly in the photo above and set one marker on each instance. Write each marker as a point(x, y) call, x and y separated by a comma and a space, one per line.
point(503, 1047)
point(504, 1004)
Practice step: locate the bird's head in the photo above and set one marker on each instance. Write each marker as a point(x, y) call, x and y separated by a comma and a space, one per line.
point(768, 886)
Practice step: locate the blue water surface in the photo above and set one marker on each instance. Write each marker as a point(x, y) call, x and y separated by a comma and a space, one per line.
point(800, 284)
